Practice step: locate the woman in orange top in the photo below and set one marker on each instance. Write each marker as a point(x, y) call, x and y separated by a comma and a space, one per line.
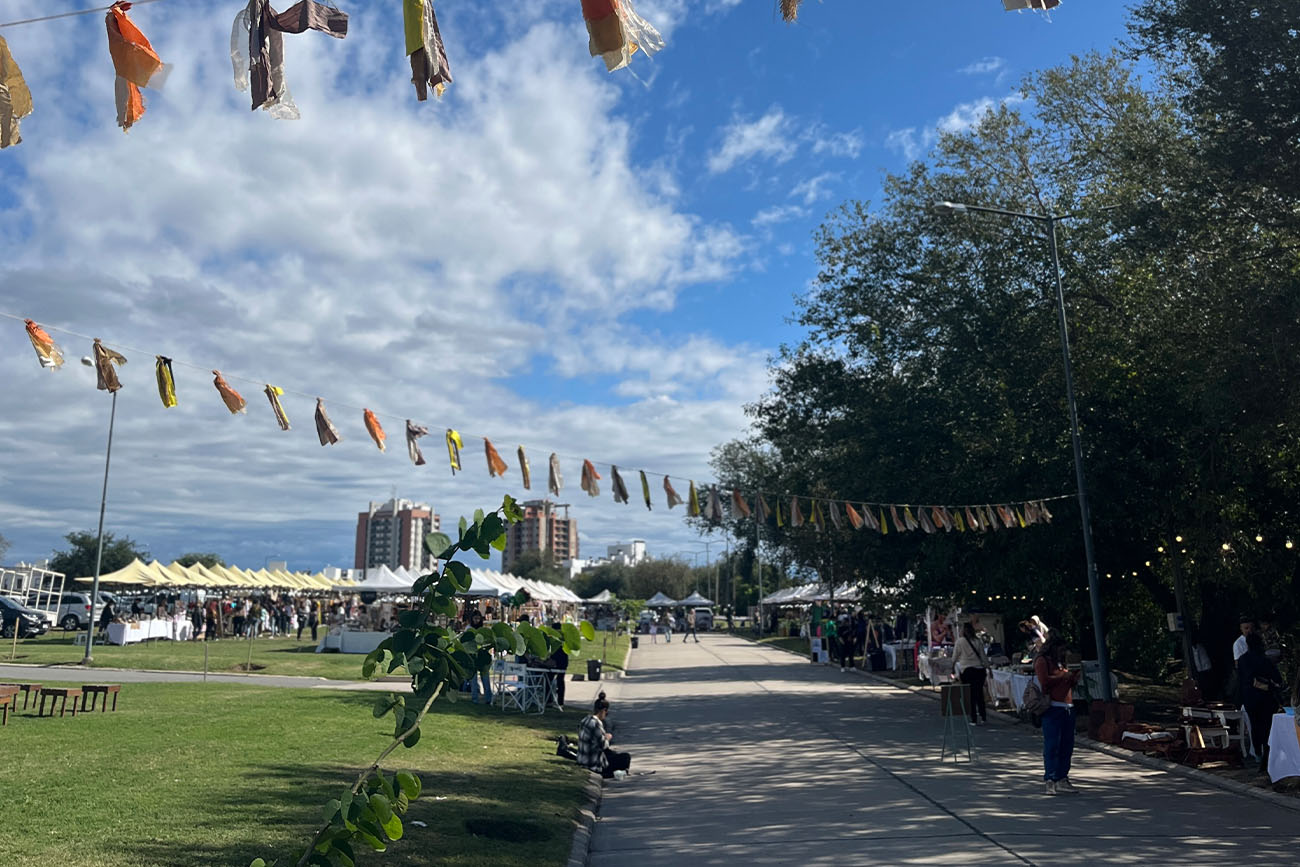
point(1057, 684)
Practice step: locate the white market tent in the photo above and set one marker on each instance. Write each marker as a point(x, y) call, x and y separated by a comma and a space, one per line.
point(659, 600)
point(381, 579)
point(600, 598)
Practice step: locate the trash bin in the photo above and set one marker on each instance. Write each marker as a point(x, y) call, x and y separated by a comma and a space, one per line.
point(593, 669)
point(635, 642)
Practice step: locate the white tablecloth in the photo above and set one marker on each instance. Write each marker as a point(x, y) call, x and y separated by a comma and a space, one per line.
point(936, 670)
point(1283, 748)
point(130, 633)
point(1010, 685)
point(350, 640)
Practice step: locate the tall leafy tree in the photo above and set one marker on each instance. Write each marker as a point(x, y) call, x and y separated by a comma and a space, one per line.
point(78, 559)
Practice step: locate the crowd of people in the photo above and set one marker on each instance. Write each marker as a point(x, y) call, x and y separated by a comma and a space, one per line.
point(251, 616)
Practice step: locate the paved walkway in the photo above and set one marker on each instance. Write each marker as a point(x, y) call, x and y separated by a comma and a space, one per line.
point(763, 759)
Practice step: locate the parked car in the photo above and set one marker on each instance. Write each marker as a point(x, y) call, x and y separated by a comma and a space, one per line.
point(74, 609)
point(704, 619)
point(14, 616)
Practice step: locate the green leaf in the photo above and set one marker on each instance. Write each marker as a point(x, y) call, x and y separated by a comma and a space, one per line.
point(534, 638)
point(330, 810)
point(383, 808)
point(588, 631)
point(412, 740)
point(463, 526)
point(409, 784)
point(368, 668)
point(401, 803)
point(393, 827)
point(492, 528)
point(369, 833)
point(445, 605)
point(340, 859)
point(460, 575)
point(572, 637)
point(406, 640)
point(499, 542)
point(415, 665)
point(411, 619)
point(521, 646)
point(503, 630)
point(383, 704)
point(478, 516)
point(511, 509)
point(437, 544)
point(257, 862)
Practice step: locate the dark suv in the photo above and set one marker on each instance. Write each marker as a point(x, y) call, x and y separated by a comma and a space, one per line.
point(16, 616)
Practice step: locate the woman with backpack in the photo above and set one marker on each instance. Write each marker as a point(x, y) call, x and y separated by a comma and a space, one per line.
point(973, 665)
point(1057, 685)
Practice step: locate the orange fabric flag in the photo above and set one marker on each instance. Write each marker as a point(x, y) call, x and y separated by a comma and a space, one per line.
point(376, 430)
point(589, 479)
point(496, 466)
point(738, 504)
point(46, 349)
point(134, 60)
point(854, 518)
point(234, 402)
point(673, 498)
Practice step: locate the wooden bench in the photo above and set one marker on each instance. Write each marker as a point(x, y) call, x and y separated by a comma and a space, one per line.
point(55, 693)
point(94, 690)
point(5, 700)
point(29, 691)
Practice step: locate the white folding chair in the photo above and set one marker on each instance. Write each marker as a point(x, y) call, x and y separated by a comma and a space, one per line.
point(512, 689)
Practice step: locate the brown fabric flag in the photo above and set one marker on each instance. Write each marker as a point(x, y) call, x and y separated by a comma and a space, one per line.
point(673, 498)
point(233, 400)
point(618, 485)
point(925, 522)
point(496, 466)
point(105, 374)
point(555, 480)
point(429, 66)
point(413, 433)
point(899, 526)
point(325, 429)
point(738, 504)
point(49, 353)
point(273, 395)
point(15, 99)
point(761, 506)
point(590, 481)
point(796, 514)
point(375, 430)
point(524, 469)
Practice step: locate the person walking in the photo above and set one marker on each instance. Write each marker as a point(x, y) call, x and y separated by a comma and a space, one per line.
point(831, 637)
point(1258, 685)
point(654, 632)
point(1057, 683)
point(666, 621)
point(973, 665)
point(690, 628)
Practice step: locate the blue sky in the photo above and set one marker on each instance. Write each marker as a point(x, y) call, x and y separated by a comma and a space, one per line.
point(589, 263)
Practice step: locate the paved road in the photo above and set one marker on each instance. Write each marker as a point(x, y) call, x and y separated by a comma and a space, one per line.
point(763, 759)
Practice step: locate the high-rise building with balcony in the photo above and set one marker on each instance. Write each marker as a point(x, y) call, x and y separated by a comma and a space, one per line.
point(392, 534)
point(542, 529)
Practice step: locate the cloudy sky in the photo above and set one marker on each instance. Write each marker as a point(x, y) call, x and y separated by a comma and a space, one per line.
point(588, 263)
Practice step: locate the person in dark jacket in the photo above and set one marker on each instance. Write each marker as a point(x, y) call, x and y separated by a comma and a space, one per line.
point(1258, 683)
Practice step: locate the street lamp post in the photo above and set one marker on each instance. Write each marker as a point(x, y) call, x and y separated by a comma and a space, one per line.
point(99, 547)
point(1085, 514)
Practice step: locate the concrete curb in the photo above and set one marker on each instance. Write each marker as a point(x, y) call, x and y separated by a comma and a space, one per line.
point(592, 791)
point(1137, 758)
point(72, 666)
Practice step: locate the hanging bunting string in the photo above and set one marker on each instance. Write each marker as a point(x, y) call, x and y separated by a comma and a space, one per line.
point(1010, 518)
point(72, 14)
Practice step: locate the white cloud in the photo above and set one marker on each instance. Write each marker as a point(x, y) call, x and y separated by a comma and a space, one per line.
point(778, 214)
point(912, 142)
point(814, 189)
point(771, 137)
point(986, 66)
point(421, 260)
point(839, 144)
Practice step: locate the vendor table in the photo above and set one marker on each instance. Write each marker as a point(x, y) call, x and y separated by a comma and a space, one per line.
point(937, 669)
point(1283, 748)
point(350, 640)
point(144, 630)
point(1008, 685)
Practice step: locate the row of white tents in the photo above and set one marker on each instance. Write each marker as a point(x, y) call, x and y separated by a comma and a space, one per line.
point(804, 594)
point(484, 583)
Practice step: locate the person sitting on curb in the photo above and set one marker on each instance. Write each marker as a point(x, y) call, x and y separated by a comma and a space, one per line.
point(593, 744)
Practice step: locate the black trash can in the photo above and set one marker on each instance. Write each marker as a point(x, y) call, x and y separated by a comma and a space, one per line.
point(593, 669)
point(635, 642)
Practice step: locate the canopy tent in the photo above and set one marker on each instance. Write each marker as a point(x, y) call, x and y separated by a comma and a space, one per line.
point(134, 572)
point(481, 584)
point(381, 579)
point(659, 600)
point(602, 598)
point(695, 600)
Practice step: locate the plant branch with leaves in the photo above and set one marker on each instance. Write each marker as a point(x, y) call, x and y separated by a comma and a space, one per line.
point(368, 813)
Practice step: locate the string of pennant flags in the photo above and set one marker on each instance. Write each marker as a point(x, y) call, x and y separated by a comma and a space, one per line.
point(615, 32)
point(711, 502)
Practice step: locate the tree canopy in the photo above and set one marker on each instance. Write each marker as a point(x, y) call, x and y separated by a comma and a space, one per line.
point(78, 560)
point(930, 369)
point(193, 557)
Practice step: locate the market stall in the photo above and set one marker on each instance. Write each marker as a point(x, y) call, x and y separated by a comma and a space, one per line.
point(1284, 746)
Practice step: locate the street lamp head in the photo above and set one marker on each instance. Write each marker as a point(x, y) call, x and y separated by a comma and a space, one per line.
point(85, 359)
point(948, 209)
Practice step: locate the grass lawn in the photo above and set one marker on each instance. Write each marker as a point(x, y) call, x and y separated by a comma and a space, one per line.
point(196, 775)
point(270, 655)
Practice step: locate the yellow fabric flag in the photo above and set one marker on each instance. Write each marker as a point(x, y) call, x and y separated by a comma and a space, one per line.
point(162, 367)
point(645, 491)
point(273, 394)
point(693, 502)
point(454, 445)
